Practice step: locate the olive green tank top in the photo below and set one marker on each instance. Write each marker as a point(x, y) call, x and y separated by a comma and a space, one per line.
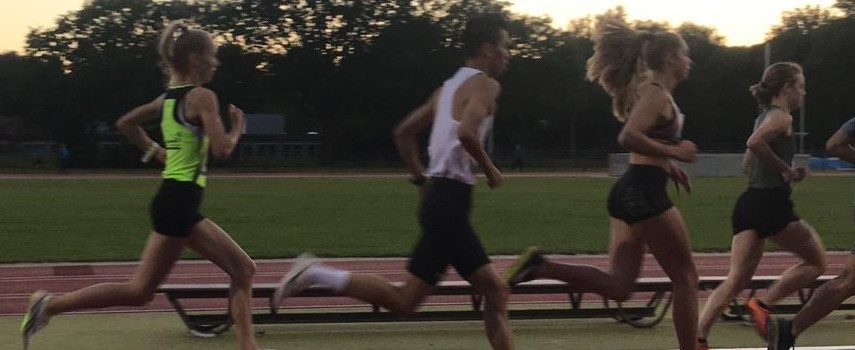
point(186, 144)
point(763, 175)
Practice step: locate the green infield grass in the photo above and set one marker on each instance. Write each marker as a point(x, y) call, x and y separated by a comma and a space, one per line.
point(99, 220)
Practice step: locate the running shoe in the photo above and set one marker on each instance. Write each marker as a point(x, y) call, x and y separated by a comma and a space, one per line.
point(295, 281)
point(759, 315)
point(523, 268)
point(780, 335)
point(36, 317)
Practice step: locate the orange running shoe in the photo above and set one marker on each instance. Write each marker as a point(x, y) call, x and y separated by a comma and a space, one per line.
point(759, 314)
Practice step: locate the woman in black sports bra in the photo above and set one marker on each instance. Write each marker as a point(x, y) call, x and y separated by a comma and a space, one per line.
point(639, 69)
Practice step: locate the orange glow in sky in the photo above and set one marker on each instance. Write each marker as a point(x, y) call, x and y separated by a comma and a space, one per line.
point(741, 22)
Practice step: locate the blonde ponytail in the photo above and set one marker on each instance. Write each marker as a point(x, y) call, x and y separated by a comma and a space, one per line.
point(177, 41)
point(623, 58)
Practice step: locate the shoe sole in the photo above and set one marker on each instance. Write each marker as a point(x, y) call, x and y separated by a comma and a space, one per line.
point(300, 266)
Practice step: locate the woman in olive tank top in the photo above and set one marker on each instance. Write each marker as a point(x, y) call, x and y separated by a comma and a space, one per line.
point(191, 126)
point(765, 211)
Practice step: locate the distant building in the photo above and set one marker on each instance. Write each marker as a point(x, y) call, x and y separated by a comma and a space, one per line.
point(265, 141)
point(22, 145)
point(264, 124)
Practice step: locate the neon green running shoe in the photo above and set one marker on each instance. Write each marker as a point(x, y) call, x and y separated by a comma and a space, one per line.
point(523, 268)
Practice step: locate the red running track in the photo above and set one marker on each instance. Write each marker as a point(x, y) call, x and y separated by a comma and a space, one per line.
point(17, 281)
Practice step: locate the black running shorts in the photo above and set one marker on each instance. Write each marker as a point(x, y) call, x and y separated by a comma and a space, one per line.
point(175, 208)
point(764, 210)
point(447, 237)
point(639, 194)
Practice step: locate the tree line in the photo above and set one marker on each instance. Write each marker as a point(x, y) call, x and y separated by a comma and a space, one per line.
point(351, 69)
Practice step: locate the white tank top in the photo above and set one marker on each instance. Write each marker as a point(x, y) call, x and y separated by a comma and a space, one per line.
point(448, 158)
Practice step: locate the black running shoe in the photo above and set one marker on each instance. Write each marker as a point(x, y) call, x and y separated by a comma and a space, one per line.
point(779, 334)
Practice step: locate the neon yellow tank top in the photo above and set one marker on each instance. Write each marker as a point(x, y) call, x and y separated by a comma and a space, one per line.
point(186, 144)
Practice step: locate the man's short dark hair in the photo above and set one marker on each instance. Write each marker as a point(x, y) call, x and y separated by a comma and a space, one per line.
point(482, 29)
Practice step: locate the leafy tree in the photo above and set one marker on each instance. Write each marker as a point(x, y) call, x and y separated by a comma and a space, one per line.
point(803, 20)
point(351, 69)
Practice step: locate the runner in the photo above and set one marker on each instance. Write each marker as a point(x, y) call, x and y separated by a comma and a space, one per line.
point(765, 211)
point(639, 70)
point(190, 120)
point(782, 334)
point(460, 114)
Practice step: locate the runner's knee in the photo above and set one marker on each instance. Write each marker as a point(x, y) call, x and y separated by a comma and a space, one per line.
point(139, 295)
point(244, 272)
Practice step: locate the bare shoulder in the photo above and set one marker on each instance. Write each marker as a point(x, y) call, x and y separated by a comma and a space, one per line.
point(653, 104)
point(776, 122)
point(488, 84)
point(201, 104)
point(482, 85)
point(653, 95)
point(155, 104)
point(780, 116)
point(201, 95)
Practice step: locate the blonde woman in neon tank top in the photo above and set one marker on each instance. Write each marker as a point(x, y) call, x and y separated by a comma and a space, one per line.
point(189, 119)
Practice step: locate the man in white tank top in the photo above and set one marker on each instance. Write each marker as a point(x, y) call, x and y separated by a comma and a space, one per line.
point(460, 114)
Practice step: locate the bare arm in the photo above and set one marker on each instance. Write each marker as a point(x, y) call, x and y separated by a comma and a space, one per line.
point(202, 105)
point(680, 177)
point(776, 123)
point(840, 145)
point(652, 104)
point(479, 106)
point(406, 136)
point(130, 126)
point(747, 158)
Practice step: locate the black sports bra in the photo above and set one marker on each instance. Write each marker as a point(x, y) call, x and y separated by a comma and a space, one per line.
point(670, 131)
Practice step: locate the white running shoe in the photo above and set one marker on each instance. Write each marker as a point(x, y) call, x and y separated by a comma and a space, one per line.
point(295, 281)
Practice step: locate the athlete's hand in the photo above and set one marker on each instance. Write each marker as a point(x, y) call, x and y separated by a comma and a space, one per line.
point(685, 151)
point(801, 174)
point(422, 181)
point(791, 175)
point(160, 156)
point(494, 177)
point(681, 178)
point(236, 116)
point(155, 152)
